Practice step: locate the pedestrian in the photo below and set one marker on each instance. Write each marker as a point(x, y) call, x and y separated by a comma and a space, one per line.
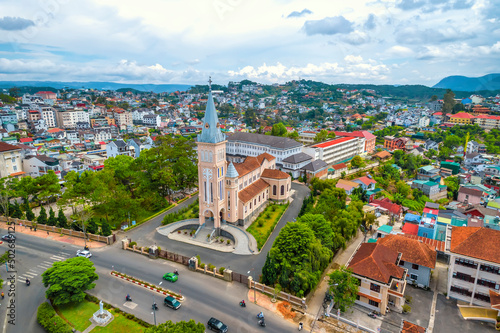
point(2, 295)
point(47, 232)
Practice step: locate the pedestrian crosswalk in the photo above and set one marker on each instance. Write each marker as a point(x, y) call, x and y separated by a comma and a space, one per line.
point(43, 266)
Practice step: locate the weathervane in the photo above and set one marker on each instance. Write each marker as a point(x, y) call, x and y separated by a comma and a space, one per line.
point(209, 83)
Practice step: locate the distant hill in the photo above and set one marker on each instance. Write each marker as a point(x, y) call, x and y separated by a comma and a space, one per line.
point(157, 88)
point(463, 83)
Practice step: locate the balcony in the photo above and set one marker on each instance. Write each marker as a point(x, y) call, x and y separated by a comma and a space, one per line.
point(397, 288)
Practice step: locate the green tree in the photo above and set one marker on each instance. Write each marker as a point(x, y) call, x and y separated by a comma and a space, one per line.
point(322, 228)
point(47, 186)
point(92, 227)
point(17, 213)
point(294, 135)
point(448, 101)
point(323, 135)
point(52, 218)
point(25, 187)
point(279, 130)
point(105, 228)
point(6, 194)
point(30, 216)
point(344, 288)
point(356, 161)
point(68, 280)
point(62, 222)
point(178, 327)
point(42, 216)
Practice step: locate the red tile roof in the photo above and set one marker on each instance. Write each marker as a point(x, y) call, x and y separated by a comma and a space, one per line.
point(382, 154)
point(266, 156)
point(23, 140)
point(412, 328)
point(376, 262)
point(249, 192)
point(435, 244)
point(274, 174)
point(413, 251)
point(332, 142)
point(389, 205)
point(475, 242)
point(249, 164)
point(359, 134)
point(7, 147)
point(365, 180)
point(463, 115)
point(339, 166)
point(495, 300)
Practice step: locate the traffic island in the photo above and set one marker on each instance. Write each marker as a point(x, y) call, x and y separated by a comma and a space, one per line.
point(146, 285)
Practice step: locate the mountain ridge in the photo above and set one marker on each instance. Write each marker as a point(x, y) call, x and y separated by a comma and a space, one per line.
point(464, 83)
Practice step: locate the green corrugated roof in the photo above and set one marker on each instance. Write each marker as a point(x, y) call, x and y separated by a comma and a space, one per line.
point(385, 228)
point(427, 168)
point(371, 240)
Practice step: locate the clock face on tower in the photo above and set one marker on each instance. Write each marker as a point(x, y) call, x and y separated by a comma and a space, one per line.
point(207, 125)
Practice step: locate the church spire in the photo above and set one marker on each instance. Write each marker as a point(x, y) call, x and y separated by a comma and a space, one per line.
point(211, 132)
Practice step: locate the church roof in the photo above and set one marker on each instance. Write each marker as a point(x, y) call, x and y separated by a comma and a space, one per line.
point(249, 192)
point(274, 174)
point(211, 132)
point(231, 171)
point(250, 164)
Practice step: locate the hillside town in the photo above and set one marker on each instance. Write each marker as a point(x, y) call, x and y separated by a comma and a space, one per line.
point(416, 184)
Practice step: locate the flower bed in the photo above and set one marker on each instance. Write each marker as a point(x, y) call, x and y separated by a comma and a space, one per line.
point(150, 286)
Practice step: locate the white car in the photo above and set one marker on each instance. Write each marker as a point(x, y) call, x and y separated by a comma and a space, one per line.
point(83, 253)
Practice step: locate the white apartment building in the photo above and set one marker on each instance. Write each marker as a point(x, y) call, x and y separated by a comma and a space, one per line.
point(68, 118)
point(153, 120)
point(123, 119)
point(240, 145)
point(335, 151)
point(423, 122)
point(48, 115)
point(138, 115)
point(487, 121)
point(474, 264)
point(307, 137)
point(40, 165)
point(102, 134)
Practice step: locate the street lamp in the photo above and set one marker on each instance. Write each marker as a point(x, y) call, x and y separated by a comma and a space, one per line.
point(154, 309)
point(253, 278)
point(319, 310)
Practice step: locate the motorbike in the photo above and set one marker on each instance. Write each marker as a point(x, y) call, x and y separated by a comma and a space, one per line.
point(155, 307)
point(301, 326)
point(28, 282)
point(176, 272)
point(372, 315)
point(128, 298)
point(262, 322)
point(243, 304)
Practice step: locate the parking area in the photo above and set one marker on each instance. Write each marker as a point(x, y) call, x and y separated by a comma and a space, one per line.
point(449, 320)
point(420, 310)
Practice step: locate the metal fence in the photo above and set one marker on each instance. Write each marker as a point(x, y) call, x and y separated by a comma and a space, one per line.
point(174, 257)
point(237, 277)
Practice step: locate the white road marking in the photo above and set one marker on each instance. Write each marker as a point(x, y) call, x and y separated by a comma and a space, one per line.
point(58, 258)
point(130, 305)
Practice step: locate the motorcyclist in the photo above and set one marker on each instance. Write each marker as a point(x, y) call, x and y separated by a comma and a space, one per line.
point(27, 281)
point(260, 315)
point(128, 297)
point(155, 306)
point(176, 272)
point(243, 302)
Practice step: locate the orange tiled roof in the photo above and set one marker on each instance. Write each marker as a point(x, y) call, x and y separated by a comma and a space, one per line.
point(382, 154)
point(339, 166)
point(495, 300)
point(249, 192)
point(463, 115)
point(274, 174)
point(412, 328)
point(476, 242)
point(413, 251)
point(376, 262)
point(266, 156)
point(249, 164)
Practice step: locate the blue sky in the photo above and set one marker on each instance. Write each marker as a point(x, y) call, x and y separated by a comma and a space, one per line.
point(180, 41)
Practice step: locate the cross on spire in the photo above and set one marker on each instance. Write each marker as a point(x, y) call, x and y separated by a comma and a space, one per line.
point(210, 83)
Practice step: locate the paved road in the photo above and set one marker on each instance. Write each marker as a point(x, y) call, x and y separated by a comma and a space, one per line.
point(146, 235)
point(205, 295)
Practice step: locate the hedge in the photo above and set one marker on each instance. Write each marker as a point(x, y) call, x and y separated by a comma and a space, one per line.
point(50, 321)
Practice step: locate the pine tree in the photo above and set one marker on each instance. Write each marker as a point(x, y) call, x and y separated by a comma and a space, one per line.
point(16, 211)
point(42, 217)
point(91, 227)
point(105, 228)
point(62, 222)
point(30, 216)
point(52, 218)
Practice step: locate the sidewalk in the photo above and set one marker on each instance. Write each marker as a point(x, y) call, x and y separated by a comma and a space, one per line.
point(80, 242)
point(341, 257)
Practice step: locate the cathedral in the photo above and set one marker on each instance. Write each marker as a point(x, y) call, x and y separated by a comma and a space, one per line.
point(234, 192)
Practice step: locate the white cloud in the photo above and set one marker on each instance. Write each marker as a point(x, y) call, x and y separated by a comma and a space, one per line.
point(399, 51)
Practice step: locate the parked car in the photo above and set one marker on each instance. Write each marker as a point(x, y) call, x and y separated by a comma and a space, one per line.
point(170, 277)
point(171, 302)
point(83, 253)
point(217, 325)
point(8, 237)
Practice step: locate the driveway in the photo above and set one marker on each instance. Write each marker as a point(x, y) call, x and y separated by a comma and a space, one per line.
point(449, 320)
point(420, 309)
point(146, 235)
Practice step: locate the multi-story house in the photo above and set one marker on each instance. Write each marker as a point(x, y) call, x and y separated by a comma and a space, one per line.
point(429, 144)
point(469, 195)
point(10, 160)
point(370, 139)
point(70, 117)
point(48, 115)
point(393, 143)
point(241, 144)
point(474, 271)
point(487, 121)
point(338, 150)
point(152, 120)
point(39, 165)
point(102, 134)
point(462, 118)
point(417, 258)
point(382, 281)
point(431, 189)
point(118, 147)
point(428, 172)
point(294, 163)
point(367, 183)
point(123, 119)
point(307, 137)
point(137, 146)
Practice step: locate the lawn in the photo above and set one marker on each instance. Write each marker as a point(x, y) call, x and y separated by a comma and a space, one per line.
point(120, 324)
point(264, 225)
point(78, 314)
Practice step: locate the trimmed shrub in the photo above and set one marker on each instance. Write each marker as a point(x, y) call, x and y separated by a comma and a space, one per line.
point(50, 321)
point(221, 270)
point(211, 267)
point(132, 244)
point(406, 308)
point(202, 266)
